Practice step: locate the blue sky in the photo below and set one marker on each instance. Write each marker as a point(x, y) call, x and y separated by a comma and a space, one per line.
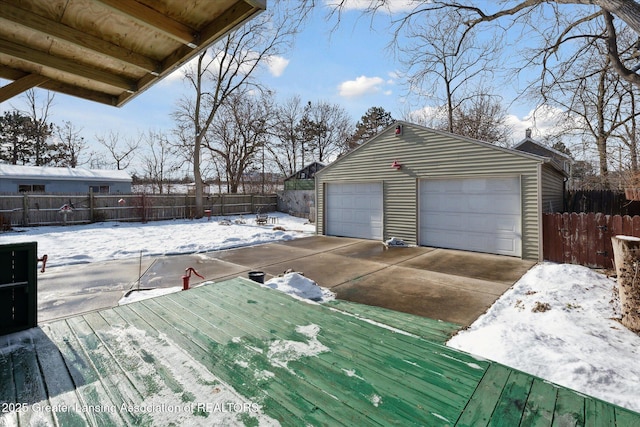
point(349, 65)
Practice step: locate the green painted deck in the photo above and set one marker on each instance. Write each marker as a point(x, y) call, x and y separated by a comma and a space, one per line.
point(235, 353)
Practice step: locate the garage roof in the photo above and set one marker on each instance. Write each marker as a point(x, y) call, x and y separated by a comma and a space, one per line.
point(107, 51)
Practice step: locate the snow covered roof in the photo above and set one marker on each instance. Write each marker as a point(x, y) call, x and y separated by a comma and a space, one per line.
point(71, 174)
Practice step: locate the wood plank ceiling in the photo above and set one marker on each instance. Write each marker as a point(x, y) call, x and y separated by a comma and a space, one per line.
point(107, 51)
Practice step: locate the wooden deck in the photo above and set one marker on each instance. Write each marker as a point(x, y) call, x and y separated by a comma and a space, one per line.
point(235, 353)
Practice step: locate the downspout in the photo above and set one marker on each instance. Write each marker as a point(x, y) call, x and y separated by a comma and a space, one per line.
point(317, 203)
point(540, 231)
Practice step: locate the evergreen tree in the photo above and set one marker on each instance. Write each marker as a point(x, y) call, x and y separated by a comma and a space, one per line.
point(15, 131)
point(375, 120)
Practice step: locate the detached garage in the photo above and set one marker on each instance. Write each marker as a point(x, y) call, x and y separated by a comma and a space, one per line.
point(437, 189)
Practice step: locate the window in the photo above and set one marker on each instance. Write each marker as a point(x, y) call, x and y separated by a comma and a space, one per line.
point(31, 188)
point(101, 189)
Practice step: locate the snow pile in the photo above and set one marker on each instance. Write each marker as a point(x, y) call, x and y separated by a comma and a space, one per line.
point(282, 352)
point(293, 284)
point(558, 322)
point(300, 287)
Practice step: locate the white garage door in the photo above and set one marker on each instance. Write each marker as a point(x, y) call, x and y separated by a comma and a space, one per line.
point(475, 214)
point(354, 210)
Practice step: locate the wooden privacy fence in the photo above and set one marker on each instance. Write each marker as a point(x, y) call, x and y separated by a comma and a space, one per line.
point(52, 209)
point(584, 238)
point(606, 201)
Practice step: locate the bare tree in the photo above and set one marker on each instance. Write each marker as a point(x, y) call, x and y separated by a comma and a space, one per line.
point(159, 162)
point(325, 129)
point(443, 64)
point(598, 104)
point(284, 146)
point(41, 129)
point(70, 145)
point(631, 134)
point(121, 151)
point(227, 67)
point(238, 134)
point(557, 23)
point(483, 118)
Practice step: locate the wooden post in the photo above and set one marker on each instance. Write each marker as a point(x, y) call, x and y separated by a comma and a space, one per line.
point(626, 252)
point(25, 210)
point(92, 207)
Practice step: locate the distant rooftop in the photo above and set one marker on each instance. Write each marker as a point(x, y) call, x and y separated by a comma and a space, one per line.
point(39, 172)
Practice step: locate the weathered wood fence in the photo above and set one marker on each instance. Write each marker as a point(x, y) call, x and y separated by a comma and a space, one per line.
point(47, 209)
point(585, 238)
point(609, 202)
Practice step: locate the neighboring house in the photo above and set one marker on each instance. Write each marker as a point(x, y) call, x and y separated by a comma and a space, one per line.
point(304, 179)
point(438, 189)
point(529, 145)
point(298, 197)
point(41, 179)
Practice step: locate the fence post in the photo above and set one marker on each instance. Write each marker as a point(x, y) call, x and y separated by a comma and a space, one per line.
point(91, 205)
point(25, 210)
point(252, 204)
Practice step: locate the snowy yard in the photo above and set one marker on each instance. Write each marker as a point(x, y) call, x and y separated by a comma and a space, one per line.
point(558, 322)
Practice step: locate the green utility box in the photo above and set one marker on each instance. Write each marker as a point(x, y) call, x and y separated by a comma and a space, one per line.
point(18, 287)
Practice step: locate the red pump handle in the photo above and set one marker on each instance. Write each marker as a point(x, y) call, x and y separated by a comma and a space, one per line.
point(44, 262)
point(190, 270)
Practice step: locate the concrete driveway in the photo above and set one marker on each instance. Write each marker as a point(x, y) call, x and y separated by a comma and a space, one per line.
point(454, 286)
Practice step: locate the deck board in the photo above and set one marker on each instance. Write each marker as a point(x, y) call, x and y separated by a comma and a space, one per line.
point(510, 408)
point(28, 381)
point(597, 413)
point(480, 407)
point(569, 409)
point(429, 329)
point(538, 411)
point(300, 363)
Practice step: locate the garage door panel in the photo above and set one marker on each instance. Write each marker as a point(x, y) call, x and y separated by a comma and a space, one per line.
point(478, 214)
point(354, 210)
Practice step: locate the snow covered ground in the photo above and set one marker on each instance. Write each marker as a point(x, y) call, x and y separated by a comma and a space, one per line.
point(558, 322)
point(105, 241)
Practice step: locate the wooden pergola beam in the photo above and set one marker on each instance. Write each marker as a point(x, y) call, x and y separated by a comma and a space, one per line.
point(70, 35)
point(40, 58)
point(21, 85)
point(225, 23)
point(155, 20)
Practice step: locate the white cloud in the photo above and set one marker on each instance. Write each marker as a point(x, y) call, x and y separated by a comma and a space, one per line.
point(390, 6)
point(276, 65)
point(360, 86)
point(542, 121)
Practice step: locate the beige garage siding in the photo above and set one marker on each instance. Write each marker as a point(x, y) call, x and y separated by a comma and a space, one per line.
point(424, 153)
point(552, 190)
